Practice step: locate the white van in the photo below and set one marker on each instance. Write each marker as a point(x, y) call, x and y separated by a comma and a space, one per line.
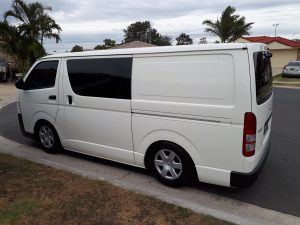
point(178, 111)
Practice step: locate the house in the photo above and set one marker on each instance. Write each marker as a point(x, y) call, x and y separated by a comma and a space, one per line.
point(134, 44)
point(4, 55)
point(283, 50)
point(8, 58)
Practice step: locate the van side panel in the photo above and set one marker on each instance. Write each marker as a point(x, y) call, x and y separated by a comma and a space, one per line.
point(196, 79)
point(196, 100)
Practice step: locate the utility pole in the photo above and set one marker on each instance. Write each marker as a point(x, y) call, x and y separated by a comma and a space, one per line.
point(148, 35)
point(275, 25)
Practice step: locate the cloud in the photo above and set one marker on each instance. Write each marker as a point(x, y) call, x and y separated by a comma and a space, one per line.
point(88, 21)
point(115, 10)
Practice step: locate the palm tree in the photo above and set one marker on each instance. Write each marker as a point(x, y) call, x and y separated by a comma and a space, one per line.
point(229, 27)
point(22, 49)
point(47, 25)
point(35, 22)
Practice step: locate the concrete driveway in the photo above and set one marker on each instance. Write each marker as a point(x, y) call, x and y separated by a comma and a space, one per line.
point(7, 93)
point(277, 188)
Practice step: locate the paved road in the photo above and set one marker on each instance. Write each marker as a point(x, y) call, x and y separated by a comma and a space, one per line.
point(278, 186)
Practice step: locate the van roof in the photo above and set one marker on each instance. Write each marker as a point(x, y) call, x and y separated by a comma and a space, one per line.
point(158, 49)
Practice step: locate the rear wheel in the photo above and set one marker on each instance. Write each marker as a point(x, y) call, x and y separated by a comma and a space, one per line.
point(171, 165)
point(48, 138)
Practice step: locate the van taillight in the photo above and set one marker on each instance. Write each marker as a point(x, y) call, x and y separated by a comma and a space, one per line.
point(249, 136)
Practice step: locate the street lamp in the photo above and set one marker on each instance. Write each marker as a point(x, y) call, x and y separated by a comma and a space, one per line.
point(275, 25)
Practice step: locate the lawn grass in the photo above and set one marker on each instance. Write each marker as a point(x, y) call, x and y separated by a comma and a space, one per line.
point(15, 210)
point(280, 78)
point(280, 81)
point(31, 193)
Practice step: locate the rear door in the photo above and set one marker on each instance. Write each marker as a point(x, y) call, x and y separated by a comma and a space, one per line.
point(97, 104)
point(39, 100)
point(262, 99)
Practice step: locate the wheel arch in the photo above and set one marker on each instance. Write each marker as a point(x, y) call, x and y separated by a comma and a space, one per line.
point(41, 121)
point(57, 144)
point(40, 116)
point(189, 170)
point(159, 143)
point(157, 137)
point(38, 123)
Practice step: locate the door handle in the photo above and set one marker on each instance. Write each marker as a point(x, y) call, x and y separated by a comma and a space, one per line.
point(52, 97)
point(70, 99)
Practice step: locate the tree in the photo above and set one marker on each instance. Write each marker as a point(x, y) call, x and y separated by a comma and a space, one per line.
point(108, 43)
point(77, 48)
point(99, 47)
point(203, 40)
point(35, 23)
point(143, 31)
point(22, 49)
point(184, 39)
point(229, 27)
point(161, 40)
point(47, 25)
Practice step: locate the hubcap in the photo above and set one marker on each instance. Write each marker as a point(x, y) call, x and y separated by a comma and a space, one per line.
point(168, 164)
point(46, 136)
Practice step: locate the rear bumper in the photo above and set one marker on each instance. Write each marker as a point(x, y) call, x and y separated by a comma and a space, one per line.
point(247, 179)
point(27, 134)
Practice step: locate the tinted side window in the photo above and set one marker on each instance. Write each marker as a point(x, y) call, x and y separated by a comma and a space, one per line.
point(42, 76)
point(107, 78)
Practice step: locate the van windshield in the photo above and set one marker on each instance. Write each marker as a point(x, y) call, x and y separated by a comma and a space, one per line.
point(263, 76)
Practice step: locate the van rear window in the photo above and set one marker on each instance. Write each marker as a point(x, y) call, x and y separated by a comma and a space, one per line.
point(263, 76)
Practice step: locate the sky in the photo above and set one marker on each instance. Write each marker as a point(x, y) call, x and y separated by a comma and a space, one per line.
point(88, 22)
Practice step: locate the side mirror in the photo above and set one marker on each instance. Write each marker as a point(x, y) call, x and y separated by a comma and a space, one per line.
point(268, 54)
point(20, 84)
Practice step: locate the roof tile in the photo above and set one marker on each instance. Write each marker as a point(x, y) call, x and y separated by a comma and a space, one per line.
point(268, 40)
point(134, 44)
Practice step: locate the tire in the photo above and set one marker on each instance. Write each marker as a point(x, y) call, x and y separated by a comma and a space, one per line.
point(171, 165)
point(47, 137)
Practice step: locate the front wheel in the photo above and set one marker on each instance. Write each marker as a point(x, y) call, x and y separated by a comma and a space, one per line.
point(48, 138)
point(171, 165)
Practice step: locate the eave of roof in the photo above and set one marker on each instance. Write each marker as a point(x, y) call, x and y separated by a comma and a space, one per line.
point(268, 40)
